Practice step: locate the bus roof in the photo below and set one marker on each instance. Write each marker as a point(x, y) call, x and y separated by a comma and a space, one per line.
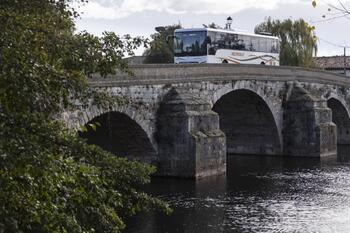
point(225, 31)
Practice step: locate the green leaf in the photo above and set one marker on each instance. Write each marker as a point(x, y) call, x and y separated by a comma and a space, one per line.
point(314, 3)
point(83, 129)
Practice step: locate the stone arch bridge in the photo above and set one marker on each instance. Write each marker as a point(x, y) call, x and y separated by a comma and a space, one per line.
point(186, 118)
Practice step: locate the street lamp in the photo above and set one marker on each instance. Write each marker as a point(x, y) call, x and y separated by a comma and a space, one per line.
point(229, 22)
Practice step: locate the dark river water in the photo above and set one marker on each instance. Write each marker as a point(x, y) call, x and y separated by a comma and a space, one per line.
point(258, 194)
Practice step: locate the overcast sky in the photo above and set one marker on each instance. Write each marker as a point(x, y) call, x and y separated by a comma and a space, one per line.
point(140, 17)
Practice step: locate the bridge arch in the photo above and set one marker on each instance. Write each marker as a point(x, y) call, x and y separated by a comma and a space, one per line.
point(270, 93)
point(340, 117)
point(120, 134)
point(248, 122)
point(136, 113)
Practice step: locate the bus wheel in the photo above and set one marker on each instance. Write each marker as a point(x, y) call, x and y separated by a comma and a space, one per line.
point(262, 63)
point(224, 62)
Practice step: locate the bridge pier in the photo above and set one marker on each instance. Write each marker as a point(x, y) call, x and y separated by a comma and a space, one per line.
point(190, 142)
point(343, 134)
point(308, 130)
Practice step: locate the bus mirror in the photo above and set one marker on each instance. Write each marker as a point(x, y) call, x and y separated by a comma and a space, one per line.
point(208, 40)
point(168, 38)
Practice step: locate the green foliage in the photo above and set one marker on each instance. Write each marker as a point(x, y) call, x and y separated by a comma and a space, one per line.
point(161, 48)
point(298, 40)
point(52, 181)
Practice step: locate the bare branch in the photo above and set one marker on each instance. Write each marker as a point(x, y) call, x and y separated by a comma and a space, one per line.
point(339, 10)
point(343, 6)
point(344, 15)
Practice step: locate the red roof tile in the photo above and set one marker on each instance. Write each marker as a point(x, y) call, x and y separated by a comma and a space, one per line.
point(335, 62)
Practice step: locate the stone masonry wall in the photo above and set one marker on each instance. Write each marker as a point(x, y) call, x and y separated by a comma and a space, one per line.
point(294, 117)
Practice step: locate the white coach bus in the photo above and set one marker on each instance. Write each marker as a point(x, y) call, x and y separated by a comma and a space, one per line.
point(207, 45)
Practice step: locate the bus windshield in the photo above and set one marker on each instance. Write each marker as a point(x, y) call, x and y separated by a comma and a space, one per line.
point(190, 44)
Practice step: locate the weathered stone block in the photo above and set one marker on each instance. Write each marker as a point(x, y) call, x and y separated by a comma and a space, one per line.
point(308, 129)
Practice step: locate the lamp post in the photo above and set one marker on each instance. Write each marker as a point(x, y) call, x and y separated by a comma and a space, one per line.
point(229, 22)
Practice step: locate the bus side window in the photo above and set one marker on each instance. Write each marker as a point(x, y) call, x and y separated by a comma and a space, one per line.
point(247, 41)
point(212, 44)
point(274, 46)
point(227, 40)
point(255, 44)
point(220, 40)
point(208, 40)
point(240, 43)
point(263, 45)
point(251, 47)
point(268, 45)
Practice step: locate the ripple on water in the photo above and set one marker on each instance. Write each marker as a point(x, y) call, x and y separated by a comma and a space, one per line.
point(307, 197)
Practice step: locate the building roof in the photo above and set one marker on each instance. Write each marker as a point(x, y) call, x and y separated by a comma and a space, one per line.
point(334, 62)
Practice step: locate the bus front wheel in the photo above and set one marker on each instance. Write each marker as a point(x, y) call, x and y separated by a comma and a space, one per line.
point(224, 62)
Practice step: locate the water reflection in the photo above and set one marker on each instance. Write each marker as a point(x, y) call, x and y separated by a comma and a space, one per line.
point(258, 194)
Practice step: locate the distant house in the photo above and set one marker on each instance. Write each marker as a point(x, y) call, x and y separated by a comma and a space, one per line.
point(135, 60)
point(334, 64)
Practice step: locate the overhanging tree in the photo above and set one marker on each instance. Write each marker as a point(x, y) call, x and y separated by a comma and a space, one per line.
point(161, 48)
point(298, 40)
point(50, 180)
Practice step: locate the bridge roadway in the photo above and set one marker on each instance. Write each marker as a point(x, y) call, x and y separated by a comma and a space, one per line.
point(186, 118)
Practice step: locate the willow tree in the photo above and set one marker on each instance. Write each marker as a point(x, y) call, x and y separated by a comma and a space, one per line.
point(298, 40)
point(50, 180)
